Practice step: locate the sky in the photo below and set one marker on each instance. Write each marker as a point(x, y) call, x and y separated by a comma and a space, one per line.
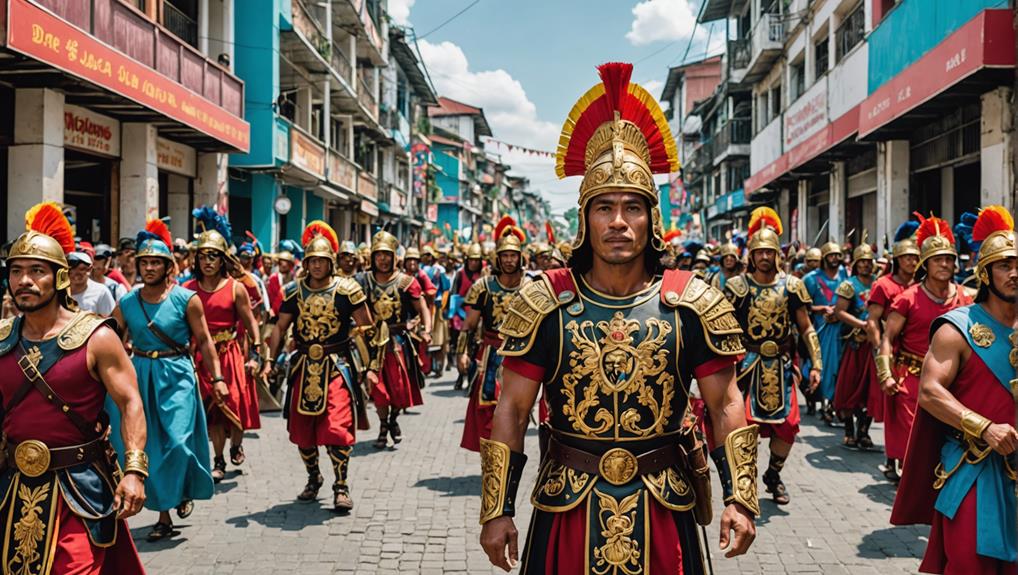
point(525, 62)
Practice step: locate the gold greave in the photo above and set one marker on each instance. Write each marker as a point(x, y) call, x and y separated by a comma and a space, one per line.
point(340, 457)
point(813, 345)
point(310, 457)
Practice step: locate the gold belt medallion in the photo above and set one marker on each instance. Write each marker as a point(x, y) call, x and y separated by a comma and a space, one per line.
point(770, 348)
point(32, 457)
point(316, 351)
point(618, 466)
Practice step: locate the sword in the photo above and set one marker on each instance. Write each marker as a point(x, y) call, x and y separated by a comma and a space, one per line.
point(820, 234)
point(706, 547)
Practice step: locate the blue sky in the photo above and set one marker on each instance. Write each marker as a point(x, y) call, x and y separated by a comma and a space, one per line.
point(526, 61)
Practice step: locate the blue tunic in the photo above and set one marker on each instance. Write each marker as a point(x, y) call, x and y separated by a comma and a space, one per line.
point(178, 441)
point(822, 290)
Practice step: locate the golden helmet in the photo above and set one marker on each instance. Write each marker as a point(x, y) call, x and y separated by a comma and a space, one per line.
point(830, 248)
point(729, 249)
point(813, 255)
point(904, 247)
point(383, 241)
point(509, 243)
point(934, 238)
point(285, 256)
point(508, 236)
point(412, 254)
point(319, 240)
point(994, 228)
point(48, 237)
point(863, 251)
point(539, 248)
point(348, 248)
point(213, 240)
point(475, 252)
point(617, 138)
point(764, 230)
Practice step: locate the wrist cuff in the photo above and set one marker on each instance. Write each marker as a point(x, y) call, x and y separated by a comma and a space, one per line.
point(501, 469)
point(736, 464)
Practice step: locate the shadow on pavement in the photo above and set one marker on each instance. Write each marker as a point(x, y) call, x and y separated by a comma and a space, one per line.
point(139, 535)
point(450, 392)
point(464, 486)
point(769, 509)
point(289, 516)
point(894, 542)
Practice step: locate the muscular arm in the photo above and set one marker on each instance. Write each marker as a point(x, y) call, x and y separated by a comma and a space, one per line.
point(425, 314)
point(724, 403)
point(246, 314)
point(202, 338)
point(892, 329)
point(802, 320)
point(841, 312)
point(282, 324)
point(875, 312)
point(472, 321)
point(512, 413)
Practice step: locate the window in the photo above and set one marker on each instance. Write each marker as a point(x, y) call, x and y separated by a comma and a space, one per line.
point(821, 50)
point(851, 32)
point(798, 79)
point(776, 100)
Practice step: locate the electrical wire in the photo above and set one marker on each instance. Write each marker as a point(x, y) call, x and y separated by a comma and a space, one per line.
point(450, 19)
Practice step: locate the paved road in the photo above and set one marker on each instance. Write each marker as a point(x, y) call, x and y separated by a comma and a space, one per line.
point(417, 507)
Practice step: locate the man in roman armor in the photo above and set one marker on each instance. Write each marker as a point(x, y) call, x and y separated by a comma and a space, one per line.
point(906, 337)
point(769, 305)
point(821, 285)
point(730, 266)
point(905, 259)
point(394, 298)
point(412, 267)
point(227, 306)
point(65, 499)
point(857, 375)
point(436, 272)
point(324, 406)
point(486, 303)
point(615, 346)
point(959, 473)
point(464, 278)
point(347, 259)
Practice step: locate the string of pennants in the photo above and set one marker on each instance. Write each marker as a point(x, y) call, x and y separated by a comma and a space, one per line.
point(522, 149)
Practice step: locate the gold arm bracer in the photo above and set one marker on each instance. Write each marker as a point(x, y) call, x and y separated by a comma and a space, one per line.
point(813, 346)
point(501, 469)
point(461, 343)
point(741, 453)
point(973, 424)
point(884, 368)
point(136, 460)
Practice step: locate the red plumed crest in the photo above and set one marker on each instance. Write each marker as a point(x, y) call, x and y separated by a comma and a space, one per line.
point(932, 226)
point(507, 225)
point(47, 218)
point(671, 235)
point(615, 95)
point(320, 228)
point(764, 217)
point(159, 228)
point(550, 233)
point(992, 219)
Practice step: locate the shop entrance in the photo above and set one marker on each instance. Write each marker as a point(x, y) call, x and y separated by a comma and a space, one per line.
point(90, 185)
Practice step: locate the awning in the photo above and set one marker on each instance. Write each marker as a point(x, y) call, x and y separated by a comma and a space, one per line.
point(328, 192)
point(986, 41)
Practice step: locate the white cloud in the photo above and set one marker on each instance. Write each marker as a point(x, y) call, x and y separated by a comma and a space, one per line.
point(654, 87)
point(511, 114)
point(668, 20)
point(399, 11)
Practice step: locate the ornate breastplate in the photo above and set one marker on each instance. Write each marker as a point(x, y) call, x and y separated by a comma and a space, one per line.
point(318, 319)
point(498, 302)
point(767, 317)
point(386, 299)
point(618, 377)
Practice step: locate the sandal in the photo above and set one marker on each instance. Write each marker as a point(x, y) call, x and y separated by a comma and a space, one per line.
point(237, 455)
point(864, 441)
point(341, 500)
point(383, 438)
point(891, 474)
point(310, 492)
point(160, 531)
point(395, 432)
point(218, 469)
point(777, 489)
point(850, 442)
point(185, 508)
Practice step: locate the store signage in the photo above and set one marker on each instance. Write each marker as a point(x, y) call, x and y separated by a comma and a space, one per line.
point(176, 158)
point(306, 154)
point(342, 172)
point(806, 115)
point(90, 132)
point(36, 33)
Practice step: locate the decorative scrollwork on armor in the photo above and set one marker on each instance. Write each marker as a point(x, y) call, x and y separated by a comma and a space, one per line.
point(317, 320)
point(494, 476)
point(499, 306)
point(385, 306)
point(768, 315)
point(621, 553)
point(770, 392)
point(603, 367)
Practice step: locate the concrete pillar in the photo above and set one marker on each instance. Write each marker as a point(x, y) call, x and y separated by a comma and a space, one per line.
point(178, 204)
point(836, 208)
point(211, 180)
point(785, 212)
point(139, 177)
point(947, 193)
point(303, 118)
point(803, 210)
point(892, 185)
point(995, 142)
point(35, 167)
point(203, 28)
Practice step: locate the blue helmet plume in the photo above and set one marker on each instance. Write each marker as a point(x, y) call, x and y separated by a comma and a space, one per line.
point(963, 231)
point(906, 230)
point(210, 219)
point(291, 246)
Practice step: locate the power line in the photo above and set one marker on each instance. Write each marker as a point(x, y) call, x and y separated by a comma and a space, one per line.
point(450, 19)
point(656, 52)
point(692, 34)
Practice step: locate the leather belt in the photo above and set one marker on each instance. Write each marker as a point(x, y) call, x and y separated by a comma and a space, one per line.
point(618, 465)
point(33, 457)
point(317, 351)
point(224, 336)
point(912, 362)
point(771, 348)
point(156, 353)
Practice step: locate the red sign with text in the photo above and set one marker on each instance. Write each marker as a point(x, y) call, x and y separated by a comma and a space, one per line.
point(35, 32)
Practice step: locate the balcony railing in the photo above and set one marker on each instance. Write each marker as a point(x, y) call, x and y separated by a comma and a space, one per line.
point(735, 131)
point(305, 23)
point(367, 99)
point(367, 187)
point(342, 171)
point(341, 63)
point(180, 24)
point(738, 51)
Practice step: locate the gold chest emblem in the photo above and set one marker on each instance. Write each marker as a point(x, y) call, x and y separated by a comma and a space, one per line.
point(607, 365)
point(386, 306)
point(768, 315)
point(982, 335)
point(499, 305)
point(317, 319)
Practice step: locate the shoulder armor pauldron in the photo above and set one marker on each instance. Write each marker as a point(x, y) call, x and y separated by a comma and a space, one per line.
point(717, 316)
point(9, 329)
point(798, 287)
point(476, 289)
point(738, 286)
point(404, 281)
point(347, 286)
point(526, 309)
point(79, 329)
point(845, 290)
point(289, 290)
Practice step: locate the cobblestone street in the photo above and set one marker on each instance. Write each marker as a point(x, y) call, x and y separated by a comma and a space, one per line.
point(416, 510)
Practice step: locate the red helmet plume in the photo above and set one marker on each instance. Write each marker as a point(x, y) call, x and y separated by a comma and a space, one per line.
point(933, 226)
point(992, 219)
point(160, 229)
point(320, 228)
point(47, 218)
point(764, 217)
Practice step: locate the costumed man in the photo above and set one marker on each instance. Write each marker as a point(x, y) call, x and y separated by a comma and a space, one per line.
point(465, 277)
point(161, 319)
point(769, 304)
point(857, 376)
point(325, 405)
point(822, 284)
point(905, 259)
point(959, 473)
point(813, 259)
point(486, 305)
point(906, 336)
point(227, 305)
point(286, 262)
point(615, 346)
point(394, 298)
point(412, 267)
point(65, 499)
point(440, 326)
point(730, 266)
point(347, 259)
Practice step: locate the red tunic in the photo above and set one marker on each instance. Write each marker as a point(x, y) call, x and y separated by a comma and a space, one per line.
point(429, 290)
point(919, 312)
point(396, 385)
point(240, 408)
point(883, 292)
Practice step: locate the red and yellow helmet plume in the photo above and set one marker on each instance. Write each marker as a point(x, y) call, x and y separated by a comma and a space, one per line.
point(508, 236)
point(992, 219)
point(159, 229)
point(47, 218)
point(764, 217)
point(933, 226)
point(994, 232)
point(320, 228)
